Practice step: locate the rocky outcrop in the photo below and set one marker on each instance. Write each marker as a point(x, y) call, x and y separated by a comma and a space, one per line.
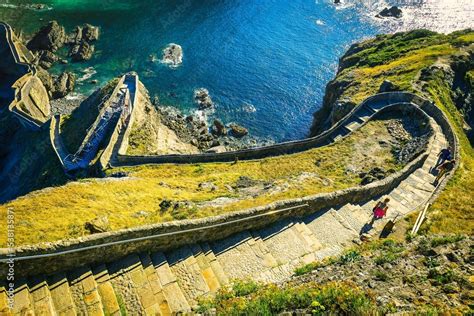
point(237, 130)
point(388, 86)
point(82, 51)
point(97, 225)
point(392, 12)
point(173, 55)
point(203, 99)
point(219, 128)
point(57, 86)
point(51, 37)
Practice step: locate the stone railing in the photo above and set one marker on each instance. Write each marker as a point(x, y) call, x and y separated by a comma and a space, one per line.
point(67, 254)
point(117, 139)
point(271, 150)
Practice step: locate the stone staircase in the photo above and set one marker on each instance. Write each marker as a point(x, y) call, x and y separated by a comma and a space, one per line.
point(165, 283)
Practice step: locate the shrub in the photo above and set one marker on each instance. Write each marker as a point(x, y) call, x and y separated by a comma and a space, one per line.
point(350, 256)
point(332, 298)
point(307, 268)
point(439, 241)
point(244, 287)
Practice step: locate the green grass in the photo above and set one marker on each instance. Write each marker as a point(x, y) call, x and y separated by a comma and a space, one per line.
point(332, 298)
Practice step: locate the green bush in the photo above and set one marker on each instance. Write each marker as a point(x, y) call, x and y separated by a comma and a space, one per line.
point(439, 241)
point(332, 298)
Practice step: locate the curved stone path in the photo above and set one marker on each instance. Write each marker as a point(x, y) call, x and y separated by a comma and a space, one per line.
point(173, 281)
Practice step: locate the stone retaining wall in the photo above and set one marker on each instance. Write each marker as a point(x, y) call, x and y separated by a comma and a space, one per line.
point(52, 257)
point(271, 150)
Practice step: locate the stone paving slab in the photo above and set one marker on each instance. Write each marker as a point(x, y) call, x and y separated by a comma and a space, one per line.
point(186, 269)
point(155, 286)
point(284, 242)
point(41, 297)
point(215, 265)
point(61, 294)
point(237, 257)
point(106, 291)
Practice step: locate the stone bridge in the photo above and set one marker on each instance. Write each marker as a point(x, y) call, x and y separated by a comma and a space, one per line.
point(165, 268)
point(116, 109)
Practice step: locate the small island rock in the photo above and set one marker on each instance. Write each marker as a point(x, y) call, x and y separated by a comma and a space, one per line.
point(173, 55)
point(238, 131)
point(393, 12)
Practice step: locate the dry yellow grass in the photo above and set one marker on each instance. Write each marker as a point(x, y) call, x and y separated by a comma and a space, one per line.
point(60, 212)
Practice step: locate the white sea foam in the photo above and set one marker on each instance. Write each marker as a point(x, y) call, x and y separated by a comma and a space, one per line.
point(74, 96)
point(319, 22)
point(87, 74)
point(248, 108)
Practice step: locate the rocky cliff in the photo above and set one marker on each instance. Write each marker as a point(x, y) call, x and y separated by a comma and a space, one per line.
point(401, 61)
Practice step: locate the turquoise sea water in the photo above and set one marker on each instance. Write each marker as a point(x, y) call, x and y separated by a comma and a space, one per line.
point(265, 63)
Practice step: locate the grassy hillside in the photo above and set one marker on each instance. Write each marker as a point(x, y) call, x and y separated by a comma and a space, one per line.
point(434, 65)
point(198, 190)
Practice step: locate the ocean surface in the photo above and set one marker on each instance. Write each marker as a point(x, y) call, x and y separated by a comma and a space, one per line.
point(265, 63)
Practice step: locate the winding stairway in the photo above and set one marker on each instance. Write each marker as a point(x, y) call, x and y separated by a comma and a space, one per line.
point(154, 283)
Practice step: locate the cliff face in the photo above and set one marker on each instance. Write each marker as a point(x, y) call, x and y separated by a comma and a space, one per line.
point(394, 62)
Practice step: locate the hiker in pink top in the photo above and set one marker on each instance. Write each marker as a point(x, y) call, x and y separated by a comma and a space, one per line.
point(380, 210)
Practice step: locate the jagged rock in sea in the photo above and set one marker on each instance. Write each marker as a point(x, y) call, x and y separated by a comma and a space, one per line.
point(393, 12)
point(50, 37)
point(90, 33)
point(237, 130)
point(173, 55)
point(218, 128)
point(57, 86)
point(82, 51)
point(63, 85)
point(47, 59)
point(203, 99)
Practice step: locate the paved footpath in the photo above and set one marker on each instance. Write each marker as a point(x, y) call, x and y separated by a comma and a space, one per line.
point(173, 281)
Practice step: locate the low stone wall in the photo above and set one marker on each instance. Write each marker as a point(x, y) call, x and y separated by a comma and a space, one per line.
point(117, 139)
point(63, 255)
point(324, 138)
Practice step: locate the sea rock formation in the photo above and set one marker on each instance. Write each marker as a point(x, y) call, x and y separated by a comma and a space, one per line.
point(173, 55)
point(82, 51)
point(57, 86)
point(237, 130)
point(50, 37)
point(219, 128)
point(203, 99)
point(393, 12)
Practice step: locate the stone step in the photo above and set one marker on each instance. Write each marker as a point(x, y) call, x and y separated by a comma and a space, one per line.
point(156, 287)
point(123, 275)
point(353, 125)
point(84, 292)
point(204, 264)
point(214, 263)
point(329, 230)
point(185, 267)
point(308, 235)
point(4, 304)
point(41, 296)
point(61, 294)
point(23, 302)
point(237, 256)
point(284, 241)
point(355, 217)
point(106, 291)
point(171, 290)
